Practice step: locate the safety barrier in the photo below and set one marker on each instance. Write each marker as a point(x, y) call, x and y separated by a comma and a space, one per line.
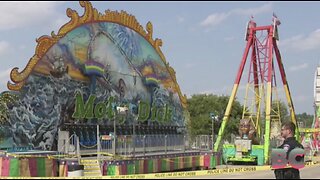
point(172, 174)
point(131, 145)
point(127, 145)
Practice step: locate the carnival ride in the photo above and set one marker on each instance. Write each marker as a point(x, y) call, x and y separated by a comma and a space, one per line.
point(76, 58)
point(311, 136)
point(261, 118)
point(316, 122)
point(100, 88)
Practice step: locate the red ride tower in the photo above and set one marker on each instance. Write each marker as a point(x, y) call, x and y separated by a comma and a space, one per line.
point(263, 104)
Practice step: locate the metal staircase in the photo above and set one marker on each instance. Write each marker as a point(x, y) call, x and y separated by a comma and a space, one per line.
point(91, 167)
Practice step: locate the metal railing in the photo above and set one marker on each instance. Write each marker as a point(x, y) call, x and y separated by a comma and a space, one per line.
point(201, 143)
point(70, 147)
point(140, 145)
point(143, 144)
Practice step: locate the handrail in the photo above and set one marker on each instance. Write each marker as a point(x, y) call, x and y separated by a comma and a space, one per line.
point(78, 150)
point(88, 147)
point(67, 142)
point(77, 147)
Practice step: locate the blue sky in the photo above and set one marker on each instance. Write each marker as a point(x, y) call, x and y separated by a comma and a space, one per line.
point(202, 41)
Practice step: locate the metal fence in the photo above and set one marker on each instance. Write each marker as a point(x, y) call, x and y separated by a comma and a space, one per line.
point(129, 145)
point(139, 145)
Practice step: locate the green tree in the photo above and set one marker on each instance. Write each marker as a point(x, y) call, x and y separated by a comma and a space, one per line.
point(6, 99)
point(201, 105)
point(284, 114)
point(306, 119)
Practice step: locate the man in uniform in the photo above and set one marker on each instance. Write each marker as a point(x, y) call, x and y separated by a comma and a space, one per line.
point(287, 132)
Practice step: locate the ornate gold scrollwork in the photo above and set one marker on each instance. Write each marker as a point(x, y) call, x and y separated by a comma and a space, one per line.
point(19, 77)
point(15, 87)
point(90, 15)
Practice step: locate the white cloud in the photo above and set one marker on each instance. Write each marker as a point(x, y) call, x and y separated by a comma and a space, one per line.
point(254, 11)
point(22, 47)
point(223, 90)
point(58, 23)
point(192, 29)
point(4, 78)
point(241, 86)
point(214, 19)
point(229, 39)
point(181, 19)
point(4, 47)
point(301, 98)
point(22, 14)
point(207, 92)
point(217, 18)
point(189, 65)
point(5, 74)
point(302, 42)
point(298, 67)
point(227, 89)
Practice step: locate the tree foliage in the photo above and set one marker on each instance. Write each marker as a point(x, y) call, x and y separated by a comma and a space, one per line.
point(284, 114)
point(306, 119)
point(201, 105)
point(6, 99)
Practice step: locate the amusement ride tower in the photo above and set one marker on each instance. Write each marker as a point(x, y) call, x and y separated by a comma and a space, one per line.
point(316, 122)
point(261, 104)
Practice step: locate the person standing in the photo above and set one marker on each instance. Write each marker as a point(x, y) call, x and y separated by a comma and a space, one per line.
point(290, 143)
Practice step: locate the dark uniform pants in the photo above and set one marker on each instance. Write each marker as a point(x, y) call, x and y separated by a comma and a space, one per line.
point(287, 173)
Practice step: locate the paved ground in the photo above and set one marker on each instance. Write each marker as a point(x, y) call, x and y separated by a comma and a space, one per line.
point(310, 172)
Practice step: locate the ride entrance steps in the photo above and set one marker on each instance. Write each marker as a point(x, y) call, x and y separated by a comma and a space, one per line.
point(91, 167)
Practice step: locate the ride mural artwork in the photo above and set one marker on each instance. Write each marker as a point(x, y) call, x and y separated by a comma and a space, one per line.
point(108, 109)
point(94, 63)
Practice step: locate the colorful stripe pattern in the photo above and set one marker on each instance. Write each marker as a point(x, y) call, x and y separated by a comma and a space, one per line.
point(27, 167)
point(128, 167)
point(94, 68)
point(44, 167)
point(151, 81)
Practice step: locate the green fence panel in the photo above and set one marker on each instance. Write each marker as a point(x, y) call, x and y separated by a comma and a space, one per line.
point(130, 168)
point(111, 170)
point(176, 163)
point(41, 167)
point(212, 161)
point(14, 168)
point(150, 166)
point(137, 167)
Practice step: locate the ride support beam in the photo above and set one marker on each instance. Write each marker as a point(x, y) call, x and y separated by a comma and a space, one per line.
point(234, 92)
point(286, 89)
point(268, 98)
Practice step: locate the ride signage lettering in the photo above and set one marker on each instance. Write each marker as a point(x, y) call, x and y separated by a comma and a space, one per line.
point(106, 110)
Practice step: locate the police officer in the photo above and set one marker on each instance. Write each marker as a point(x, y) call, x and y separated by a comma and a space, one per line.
point(287, 132)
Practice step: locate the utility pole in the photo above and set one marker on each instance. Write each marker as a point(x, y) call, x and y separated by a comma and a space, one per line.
point(134, 136)
point(135, 119)
point(114, 135)
point(212, 133)
point(212, 116)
